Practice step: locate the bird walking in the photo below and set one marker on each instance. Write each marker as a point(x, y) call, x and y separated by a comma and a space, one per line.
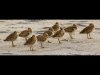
point(12, 37)
point(87, 30)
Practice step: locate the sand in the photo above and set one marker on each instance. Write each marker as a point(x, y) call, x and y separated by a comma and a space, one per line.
point(78, 46)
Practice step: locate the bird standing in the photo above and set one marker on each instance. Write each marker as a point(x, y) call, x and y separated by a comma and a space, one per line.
point(25, 33)
point(59, 34)
point(30, 42)
point(42, 38)
point(88, 30)
point(56, 27)
point(70, 30)
point(50, 33)
point(12, 37)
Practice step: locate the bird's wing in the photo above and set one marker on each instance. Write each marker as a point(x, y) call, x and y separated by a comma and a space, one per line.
point(28, 41)
point(84, 30)
point(56, 34)
point(24, 33)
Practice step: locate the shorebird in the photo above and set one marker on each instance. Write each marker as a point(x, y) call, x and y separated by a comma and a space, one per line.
point(56, 27)
point(59, 34)
point(42, 38)
point(25, 33)
point(50, 33)
point(12, 37)
point(88, 30)
point(70, 30)
point(30, 42)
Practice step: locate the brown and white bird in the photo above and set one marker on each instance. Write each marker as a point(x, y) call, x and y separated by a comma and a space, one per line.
point(12, 37)
point(88, 30)
point(50, 33)
point(30, 42)
point(25, 33)
point(59, 34)
point(42, 38)
point(56, 27)
point(70, 30)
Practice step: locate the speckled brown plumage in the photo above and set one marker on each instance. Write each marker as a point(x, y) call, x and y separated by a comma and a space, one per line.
point(87, 30)
point(70, 30)
point(12, 37)
point(56, 27)
point(25, 33)
point(31, 41)
point(59, 34)
point(50, 32)
point(42, 38)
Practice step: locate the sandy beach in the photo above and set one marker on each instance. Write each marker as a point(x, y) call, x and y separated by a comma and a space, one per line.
point(78, 46)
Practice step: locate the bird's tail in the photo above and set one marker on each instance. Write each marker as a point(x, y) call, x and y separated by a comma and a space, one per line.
point(25, 44)
point(5, 40)
point(81, 32)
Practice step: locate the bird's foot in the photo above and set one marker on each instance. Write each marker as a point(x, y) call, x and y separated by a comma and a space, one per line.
point(42, 47)
point(13, 45)
point(72, 38)
point(32, 50)
point(49, 42)
point(59, 42)
point(90, 38)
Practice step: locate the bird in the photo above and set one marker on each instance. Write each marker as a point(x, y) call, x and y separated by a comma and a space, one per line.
point(50, 32)
point(42, 38)
point(56, 27)
point(59, 34)
point(12, 37)
point(25, 33)
point(70, 30)
point(87, 30)
point(31, 41)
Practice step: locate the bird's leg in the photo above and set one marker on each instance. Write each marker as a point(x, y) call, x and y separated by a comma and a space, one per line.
point(49, 41)
point(87, 36)
point(70, 34)
point(90, 36)
point(41, 45)
point(30, 48)
point(13, 44)
point(59, 41)
point(26, 38)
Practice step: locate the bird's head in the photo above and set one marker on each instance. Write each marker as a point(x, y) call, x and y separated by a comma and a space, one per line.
point(51, 29)
point(91, 25)
point(74, 26)
point(30, 30)
point(45, 35)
